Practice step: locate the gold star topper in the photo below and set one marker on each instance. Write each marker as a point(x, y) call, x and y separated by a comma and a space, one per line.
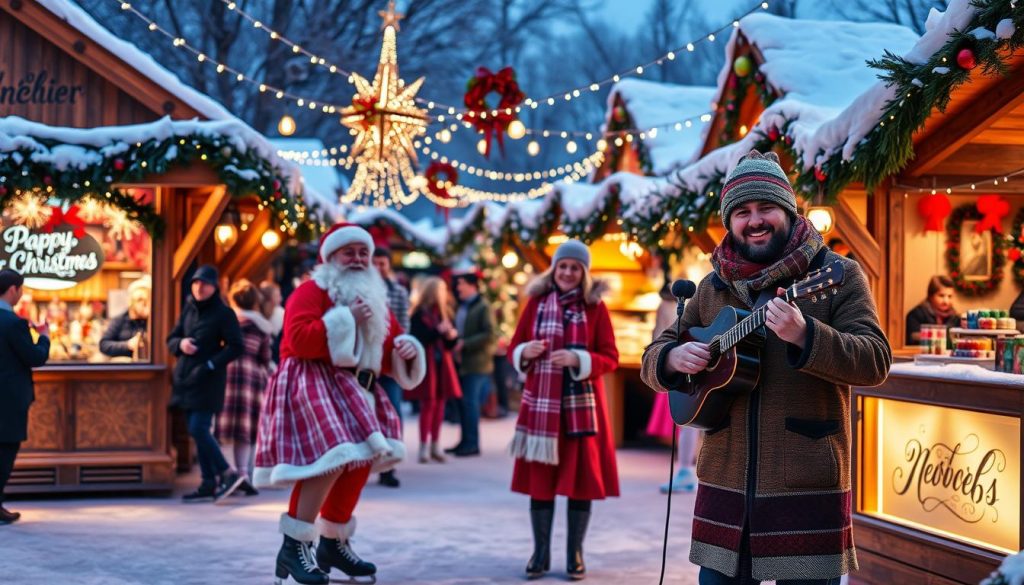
point(390, 17)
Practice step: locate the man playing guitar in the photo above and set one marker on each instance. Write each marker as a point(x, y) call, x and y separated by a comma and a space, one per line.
point(774, 494)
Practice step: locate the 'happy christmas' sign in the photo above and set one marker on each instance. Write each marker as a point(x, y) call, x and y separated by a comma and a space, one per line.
point(53, 260)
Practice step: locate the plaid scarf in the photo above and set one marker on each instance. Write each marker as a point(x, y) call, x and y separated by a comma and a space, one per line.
point(550, 391)
point(746, 278)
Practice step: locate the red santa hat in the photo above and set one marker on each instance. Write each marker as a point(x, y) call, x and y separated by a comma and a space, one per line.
point(341, 235)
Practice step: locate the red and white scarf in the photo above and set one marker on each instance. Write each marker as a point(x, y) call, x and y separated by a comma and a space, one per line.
point(550, 390)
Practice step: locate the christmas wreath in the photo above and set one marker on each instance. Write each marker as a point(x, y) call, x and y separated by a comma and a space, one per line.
point(440, 176)
point(954, 230)
point(1016, 244)
point(479, 113)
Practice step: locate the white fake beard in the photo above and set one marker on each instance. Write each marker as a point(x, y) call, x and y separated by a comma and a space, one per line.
point(344, 286)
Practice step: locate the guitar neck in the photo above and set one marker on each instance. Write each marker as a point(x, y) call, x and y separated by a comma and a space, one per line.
point(750, 323)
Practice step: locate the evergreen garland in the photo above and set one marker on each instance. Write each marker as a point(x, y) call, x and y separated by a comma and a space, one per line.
point(243, 172)
point(954, 229)
point(1016, 253)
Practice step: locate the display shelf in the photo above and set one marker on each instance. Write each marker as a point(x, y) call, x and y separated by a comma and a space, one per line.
point(931, 359)
point(988, 332)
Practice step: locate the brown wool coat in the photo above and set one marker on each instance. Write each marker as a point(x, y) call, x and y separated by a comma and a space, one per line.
point(799, 515)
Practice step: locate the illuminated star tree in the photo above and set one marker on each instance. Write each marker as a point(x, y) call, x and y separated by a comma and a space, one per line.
point(385, 121)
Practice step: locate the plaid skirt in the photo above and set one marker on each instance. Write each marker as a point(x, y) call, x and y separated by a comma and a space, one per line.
point(316, 419)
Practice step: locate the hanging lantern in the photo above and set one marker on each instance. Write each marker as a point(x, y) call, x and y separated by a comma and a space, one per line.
point(934, 208)
point(822, 218)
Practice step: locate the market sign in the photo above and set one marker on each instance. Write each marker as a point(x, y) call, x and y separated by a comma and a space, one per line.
point(50, 260)
point(951, 472)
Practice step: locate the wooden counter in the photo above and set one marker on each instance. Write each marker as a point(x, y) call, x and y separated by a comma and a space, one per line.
point(96, 428)
point(937, 475)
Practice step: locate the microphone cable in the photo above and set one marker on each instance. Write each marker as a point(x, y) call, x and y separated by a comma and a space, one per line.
point(668, 507)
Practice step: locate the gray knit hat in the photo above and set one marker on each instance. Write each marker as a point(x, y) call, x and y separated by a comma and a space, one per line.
point(757, 177)
point(575, 250)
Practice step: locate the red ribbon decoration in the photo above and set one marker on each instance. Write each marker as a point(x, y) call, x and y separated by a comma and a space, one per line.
point(934, 209)
point(478, 88)
point(367, 108)
point(993, 209)
point(59, 217)
point(437, 175)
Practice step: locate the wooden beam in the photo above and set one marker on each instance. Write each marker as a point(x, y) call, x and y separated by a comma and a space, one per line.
point(248, 250)
point(96, 57)
point(200, 230)
point(860, 240)
point(1000, 97)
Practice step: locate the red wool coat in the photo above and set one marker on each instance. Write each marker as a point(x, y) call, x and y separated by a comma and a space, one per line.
point(587, 469)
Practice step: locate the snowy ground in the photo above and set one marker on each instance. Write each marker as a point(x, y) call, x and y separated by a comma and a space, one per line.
point(454, 524)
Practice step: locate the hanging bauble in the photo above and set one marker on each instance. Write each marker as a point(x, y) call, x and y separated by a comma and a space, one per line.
point(934, 208)
point(966, 59)
point(773, 134)
point(819, 174)
point(619, 113)
point(3, 191)
point(119, 164)
point(47, 180)
point(742, 66)
point(993, 209)
point(759, 77)
point(490, 121)
point(1013, 254)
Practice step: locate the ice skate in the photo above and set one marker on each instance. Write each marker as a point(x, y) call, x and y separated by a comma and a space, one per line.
point(335, 552)
point(296, 559)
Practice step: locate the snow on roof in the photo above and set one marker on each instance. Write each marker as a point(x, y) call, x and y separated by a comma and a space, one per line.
point(436, 238)
point(661, 105)
point(321, 183)
point(139, 60)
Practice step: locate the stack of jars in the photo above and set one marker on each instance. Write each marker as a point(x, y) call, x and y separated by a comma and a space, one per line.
point(987, 319)
point(933, 339)
point(975, 347)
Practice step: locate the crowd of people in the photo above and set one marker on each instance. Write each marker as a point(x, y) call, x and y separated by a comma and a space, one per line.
point(310, 397)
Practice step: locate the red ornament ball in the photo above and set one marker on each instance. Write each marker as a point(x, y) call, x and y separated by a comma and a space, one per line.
point(1013, 254)
point(3, 191)
point(773, 134)
point(119, 164)
point(819, 175)
point(966, 59)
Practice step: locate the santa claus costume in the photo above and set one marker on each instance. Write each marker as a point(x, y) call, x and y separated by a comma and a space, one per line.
point(326, 423)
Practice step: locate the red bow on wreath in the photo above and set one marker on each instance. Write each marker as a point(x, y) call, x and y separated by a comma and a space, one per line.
point(479, 113)
point(934, 208)
point(440, 176)
point(59, 217)
point(993, 209)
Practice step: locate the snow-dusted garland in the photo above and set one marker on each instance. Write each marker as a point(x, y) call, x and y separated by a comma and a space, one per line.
point(244, 173)
point(921, 89)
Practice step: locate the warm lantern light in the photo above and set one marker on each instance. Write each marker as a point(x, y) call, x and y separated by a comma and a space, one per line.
point(533, 148)
point(822, 218)
point(225, 234)
point(510, 260)
point(516, 130)
point(270, 239)
point(286, 127)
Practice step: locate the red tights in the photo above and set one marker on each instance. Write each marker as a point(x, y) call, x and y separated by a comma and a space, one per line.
point(341, 500)
point(431, 417)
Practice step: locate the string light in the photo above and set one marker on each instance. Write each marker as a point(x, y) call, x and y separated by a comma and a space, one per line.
point(972, 185)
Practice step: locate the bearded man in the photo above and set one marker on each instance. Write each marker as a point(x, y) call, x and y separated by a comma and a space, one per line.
point(773, 497)
point(326, 422)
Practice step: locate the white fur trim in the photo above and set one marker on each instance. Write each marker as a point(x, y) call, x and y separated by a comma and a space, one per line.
point(379, 451)
point(586, 366)
point(342, 337)
point(342, 237)
point(409, 373)
point(297, 529)
point(534, 448)
point(517, 358)
point(336, 530)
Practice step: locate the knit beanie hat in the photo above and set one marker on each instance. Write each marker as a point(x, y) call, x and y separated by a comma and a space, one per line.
point(574, 250)
point(206, 273)
point(757, 177)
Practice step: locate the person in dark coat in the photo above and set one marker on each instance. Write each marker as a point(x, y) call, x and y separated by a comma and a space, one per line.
point(18, 355)
point(937, 309)
point(206, 338)
point(126, 334)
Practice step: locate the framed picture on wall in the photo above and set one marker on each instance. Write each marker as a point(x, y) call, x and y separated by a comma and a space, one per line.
point(975, 252)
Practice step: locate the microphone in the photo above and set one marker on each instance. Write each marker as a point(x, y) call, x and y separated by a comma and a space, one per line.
point(682, 290)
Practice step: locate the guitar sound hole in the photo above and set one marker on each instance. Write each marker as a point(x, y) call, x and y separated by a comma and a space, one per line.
point(716, 359)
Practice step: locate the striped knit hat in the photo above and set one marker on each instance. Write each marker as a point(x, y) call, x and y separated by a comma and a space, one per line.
point(757, 177)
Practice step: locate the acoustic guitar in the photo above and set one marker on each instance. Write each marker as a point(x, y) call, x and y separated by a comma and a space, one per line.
point(735, 339)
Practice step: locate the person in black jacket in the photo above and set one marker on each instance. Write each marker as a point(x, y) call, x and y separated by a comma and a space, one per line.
point(18, 355)
point(126, 334)
point(937, 309)
point(206, 338)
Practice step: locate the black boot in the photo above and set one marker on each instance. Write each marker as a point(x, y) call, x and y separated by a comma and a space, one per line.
point(577, 530)
point(296, 559)
point(335, 551)
point(204, 493)
point(540, 561)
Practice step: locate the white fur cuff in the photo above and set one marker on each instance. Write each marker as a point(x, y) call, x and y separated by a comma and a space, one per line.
point(335, 530)
point(409, 373)
point(297, 529)
point(342, 337)
point(586, 366)
point(517, 358)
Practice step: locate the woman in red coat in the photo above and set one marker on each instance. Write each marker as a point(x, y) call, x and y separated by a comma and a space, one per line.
point(564, 344)
point(431, 324)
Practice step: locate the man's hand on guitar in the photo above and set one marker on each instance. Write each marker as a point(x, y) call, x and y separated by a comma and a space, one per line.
point(786, 320)
point(689, 358)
